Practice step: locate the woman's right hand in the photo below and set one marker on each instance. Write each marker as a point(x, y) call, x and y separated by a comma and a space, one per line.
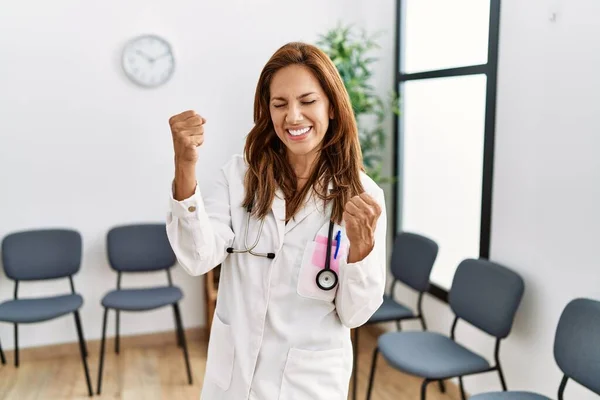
point(187, 129)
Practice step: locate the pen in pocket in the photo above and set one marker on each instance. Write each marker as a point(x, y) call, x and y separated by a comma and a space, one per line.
point(338, 238)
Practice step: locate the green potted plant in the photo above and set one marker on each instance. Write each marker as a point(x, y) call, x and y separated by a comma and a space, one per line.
point(349, 49)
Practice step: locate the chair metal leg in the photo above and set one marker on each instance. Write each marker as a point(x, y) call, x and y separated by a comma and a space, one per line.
point(82, 348)
point(16, 345)
point(85, 349)
point(502, 381)
point(424, 388)
point(498, 366)
point(355, 366)
point(102, 351)
point(183, 342)
point(177, 335)
point(561, 388)
point(2, 356)
point(441, 383)
point(442, 386)
point(462, 388)
point(117, 332)
point(423, 324)
point(372, 376)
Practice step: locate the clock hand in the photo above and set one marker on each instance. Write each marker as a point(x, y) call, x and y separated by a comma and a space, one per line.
point(144, 55)
point(163, 55)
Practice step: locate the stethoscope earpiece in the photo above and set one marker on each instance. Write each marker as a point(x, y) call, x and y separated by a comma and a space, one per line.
point(248, 249)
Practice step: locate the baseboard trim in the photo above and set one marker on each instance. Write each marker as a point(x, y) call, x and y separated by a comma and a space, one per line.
point(130, 341)
point(142, 340)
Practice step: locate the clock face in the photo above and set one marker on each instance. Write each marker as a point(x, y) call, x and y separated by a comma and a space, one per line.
point(148, 60)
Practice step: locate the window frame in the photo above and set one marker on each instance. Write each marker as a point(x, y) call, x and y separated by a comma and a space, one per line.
point(490, 69)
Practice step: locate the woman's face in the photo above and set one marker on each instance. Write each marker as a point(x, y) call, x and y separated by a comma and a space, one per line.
point(300, 110)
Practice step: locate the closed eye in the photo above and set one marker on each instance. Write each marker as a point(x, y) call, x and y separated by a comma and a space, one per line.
point(303, 102)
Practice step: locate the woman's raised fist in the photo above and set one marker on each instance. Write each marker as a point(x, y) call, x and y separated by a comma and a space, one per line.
point(187, 130)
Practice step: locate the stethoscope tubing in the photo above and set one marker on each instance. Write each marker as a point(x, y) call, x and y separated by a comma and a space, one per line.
point(249, 249)
point(326, 272)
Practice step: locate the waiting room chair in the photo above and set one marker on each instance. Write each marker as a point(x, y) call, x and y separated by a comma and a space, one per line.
point(140, 249)
point(576, 351)
point(36, 255)
point(484, 294)
point(413, 257)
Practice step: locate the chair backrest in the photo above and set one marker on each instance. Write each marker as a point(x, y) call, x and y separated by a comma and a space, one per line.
point(41, 254)
point(140, 248)
point(487, 295)
point(577, 342)
point(413, 257)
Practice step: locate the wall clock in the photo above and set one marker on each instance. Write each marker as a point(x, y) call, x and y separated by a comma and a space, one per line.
point(148, 60)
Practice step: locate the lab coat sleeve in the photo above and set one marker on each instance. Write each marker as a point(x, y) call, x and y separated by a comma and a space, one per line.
point(362, 284)
point(199, 229)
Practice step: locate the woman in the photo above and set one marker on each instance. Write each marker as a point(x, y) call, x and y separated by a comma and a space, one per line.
point(277, 333)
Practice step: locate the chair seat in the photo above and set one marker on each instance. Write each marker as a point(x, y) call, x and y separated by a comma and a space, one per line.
point(429, 355)
point(509, 396)
point(142, 299)
point(41, 309)
point(390, 310)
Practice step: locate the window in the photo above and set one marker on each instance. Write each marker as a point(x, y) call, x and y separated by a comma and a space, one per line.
point(442, 34)
point(447, 61)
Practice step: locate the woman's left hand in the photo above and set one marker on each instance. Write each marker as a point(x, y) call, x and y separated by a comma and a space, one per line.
point(360, 215)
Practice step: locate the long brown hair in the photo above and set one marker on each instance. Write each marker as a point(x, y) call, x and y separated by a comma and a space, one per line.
point(339, 161)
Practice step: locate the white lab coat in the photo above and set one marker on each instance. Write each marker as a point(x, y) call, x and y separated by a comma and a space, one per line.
point(275, 335)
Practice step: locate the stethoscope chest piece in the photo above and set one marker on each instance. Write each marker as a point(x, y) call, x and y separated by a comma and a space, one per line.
point(326, 279)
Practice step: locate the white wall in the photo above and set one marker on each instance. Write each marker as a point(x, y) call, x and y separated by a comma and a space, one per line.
point(83, 147)
point(545, 221)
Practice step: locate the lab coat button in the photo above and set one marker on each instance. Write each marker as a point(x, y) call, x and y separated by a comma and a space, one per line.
point(192, 208)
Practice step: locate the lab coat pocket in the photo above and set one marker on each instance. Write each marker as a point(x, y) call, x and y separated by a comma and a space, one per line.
point(219, 366)
point(310, 375)
point(313, 261)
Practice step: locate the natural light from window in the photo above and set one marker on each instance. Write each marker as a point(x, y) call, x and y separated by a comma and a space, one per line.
point(441, 34)
point(443, 157)
point(443, 127)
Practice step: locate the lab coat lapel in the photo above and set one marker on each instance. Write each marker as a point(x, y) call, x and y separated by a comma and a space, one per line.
point(309, 207)
point(314, 203)
point(278, 208)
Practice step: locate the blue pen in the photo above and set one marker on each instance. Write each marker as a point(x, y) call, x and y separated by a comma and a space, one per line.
point(338, 237)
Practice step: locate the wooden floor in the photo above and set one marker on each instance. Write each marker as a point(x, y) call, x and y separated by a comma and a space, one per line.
point(152, 367)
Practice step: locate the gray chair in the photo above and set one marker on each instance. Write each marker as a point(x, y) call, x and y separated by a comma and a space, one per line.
point(141, 248)
point(413, 257)
point(576, 351)
point(484, 294)
point(36, 255)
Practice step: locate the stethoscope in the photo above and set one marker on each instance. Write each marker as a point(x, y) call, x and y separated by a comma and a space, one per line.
point(326, 279)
